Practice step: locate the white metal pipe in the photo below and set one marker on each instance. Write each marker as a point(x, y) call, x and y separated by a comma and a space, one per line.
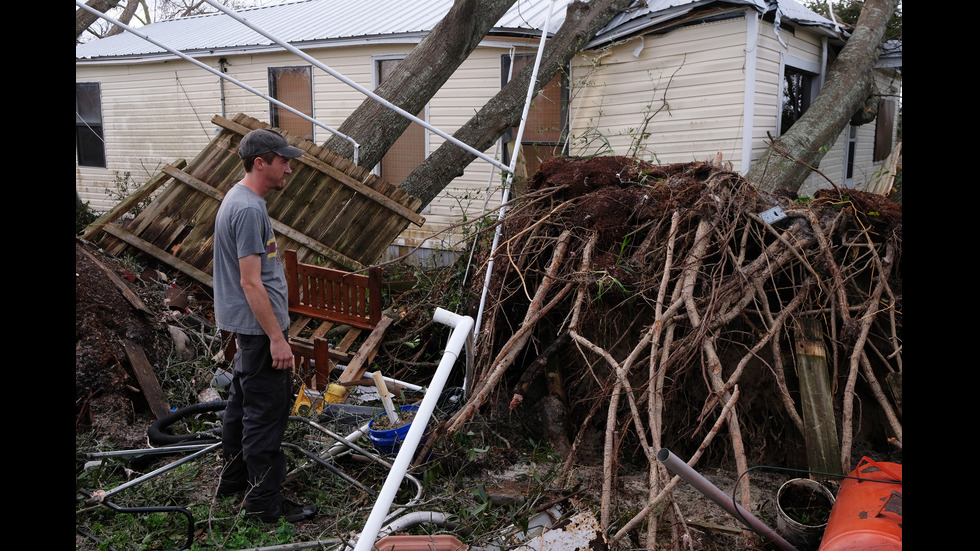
point(511, 169)
point(214, 71)
point(355, 85)
point(462, 329)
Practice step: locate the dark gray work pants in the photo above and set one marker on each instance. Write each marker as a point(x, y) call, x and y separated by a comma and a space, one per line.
point(254, 424)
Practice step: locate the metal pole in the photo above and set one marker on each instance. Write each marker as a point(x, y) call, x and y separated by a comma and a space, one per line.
point(712, 492)
point(513, 166)
point(100, 496)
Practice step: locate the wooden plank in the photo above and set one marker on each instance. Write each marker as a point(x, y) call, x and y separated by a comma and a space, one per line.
point(207, 189)
point(147, 378)
point(297, 326)
point(339, 175)
point(128, 293)
point(162, 256)
point(365, 355)
point(322, 329)
point(128, 203)
point(316, 246)
point(380, 198)
point(349, 339)
point(195, 183)
point(816, 399)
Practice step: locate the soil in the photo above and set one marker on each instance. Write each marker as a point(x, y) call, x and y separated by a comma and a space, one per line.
point(108, 401)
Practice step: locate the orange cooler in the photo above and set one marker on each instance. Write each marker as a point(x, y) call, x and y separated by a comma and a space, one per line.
point(867, 514)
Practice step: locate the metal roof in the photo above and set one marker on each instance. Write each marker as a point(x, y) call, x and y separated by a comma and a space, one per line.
point(309, 22)
point(657, 11)
point(322, 22)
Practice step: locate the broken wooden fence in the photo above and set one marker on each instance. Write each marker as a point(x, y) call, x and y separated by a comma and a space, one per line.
point(332, 212)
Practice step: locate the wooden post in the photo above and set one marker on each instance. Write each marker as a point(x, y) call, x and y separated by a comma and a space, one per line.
point(816, 399)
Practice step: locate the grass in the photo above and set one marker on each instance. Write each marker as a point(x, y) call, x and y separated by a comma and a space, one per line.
point(154, 513)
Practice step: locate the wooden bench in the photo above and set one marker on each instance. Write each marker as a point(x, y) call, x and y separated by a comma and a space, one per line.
point(321, 299)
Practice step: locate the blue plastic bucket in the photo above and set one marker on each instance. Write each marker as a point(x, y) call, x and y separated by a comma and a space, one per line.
point(388, 442)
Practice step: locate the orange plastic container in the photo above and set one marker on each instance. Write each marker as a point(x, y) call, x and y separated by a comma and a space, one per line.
point(867, 514)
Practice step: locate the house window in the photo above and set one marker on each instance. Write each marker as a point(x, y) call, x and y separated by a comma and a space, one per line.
point(89, 139)
point(294, 87)
point(884, 128)
point(798, 92)
point(545, 130)
point(408, 152)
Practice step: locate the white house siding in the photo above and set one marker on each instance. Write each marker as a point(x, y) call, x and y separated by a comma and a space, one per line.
point(152, 114)
point(693, 75)
point(806, 46)
point(471, 86)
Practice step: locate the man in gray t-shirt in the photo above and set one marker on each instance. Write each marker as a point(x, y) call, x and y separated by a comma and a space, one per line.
point(250, 301)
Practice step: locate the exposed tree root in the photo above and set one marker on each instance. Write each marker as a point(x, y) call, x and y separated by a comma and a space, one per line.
point(657, 273)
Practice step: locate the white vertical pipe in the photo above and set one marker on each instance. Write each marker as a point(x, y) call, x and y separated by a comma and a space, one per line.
point(513, 166)
point(462, 329)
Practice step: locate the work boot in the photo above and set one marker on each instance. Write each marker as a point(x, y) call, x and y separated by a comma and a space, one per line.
point(288, 510)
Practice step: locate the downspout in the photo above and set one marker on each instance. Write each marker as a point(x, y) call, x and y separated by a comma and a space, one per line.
point(223, 66)
point(513, 166)
point(748, 98)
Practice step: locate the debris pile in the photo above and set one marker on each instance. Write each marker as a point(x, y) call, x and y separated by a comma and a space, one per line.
point(662, 306)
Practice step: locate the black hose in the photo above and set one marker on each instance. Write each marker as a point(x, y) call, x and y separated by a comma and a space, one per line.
point(160, 435)
point(162, 509)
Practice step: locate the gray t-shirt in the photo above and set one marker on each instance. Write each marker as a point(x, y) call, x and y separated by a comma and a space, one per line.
point(242, 228)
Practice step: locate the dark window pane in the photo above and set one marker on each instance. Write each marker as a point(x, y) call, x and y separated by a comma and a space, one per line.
point(797, 91)
point(89, 142)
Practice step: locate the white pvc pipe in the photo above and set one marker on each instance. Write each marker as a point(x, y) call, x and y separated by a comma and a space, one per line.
point(462, 330)
point(510, 170)
point(214, 71)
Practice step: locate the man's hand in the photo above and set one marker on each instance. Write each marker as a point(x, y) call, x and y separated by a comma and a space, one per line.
point(282, 354)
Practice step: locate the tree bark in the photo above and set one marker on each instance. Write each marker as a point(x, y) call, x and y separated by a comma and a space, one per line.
point(417, 78)
point(503, 111)
point(127, 15)
point(790, 158)
point(84, 18)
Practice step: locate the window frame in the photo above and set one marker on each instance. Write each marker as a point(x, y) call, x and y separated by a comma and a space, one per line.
point(284, 119)
point(376, 80)
point(88, 132)
point(511, 133)
point(810, 89)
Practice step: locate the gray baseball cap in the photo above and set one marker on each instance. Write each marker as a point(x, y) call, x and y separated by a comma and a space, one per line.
point(264, 140)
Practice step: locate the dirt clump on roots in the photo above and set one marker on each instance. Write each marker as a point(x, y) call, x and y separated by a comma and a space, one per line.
point(660, 307)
